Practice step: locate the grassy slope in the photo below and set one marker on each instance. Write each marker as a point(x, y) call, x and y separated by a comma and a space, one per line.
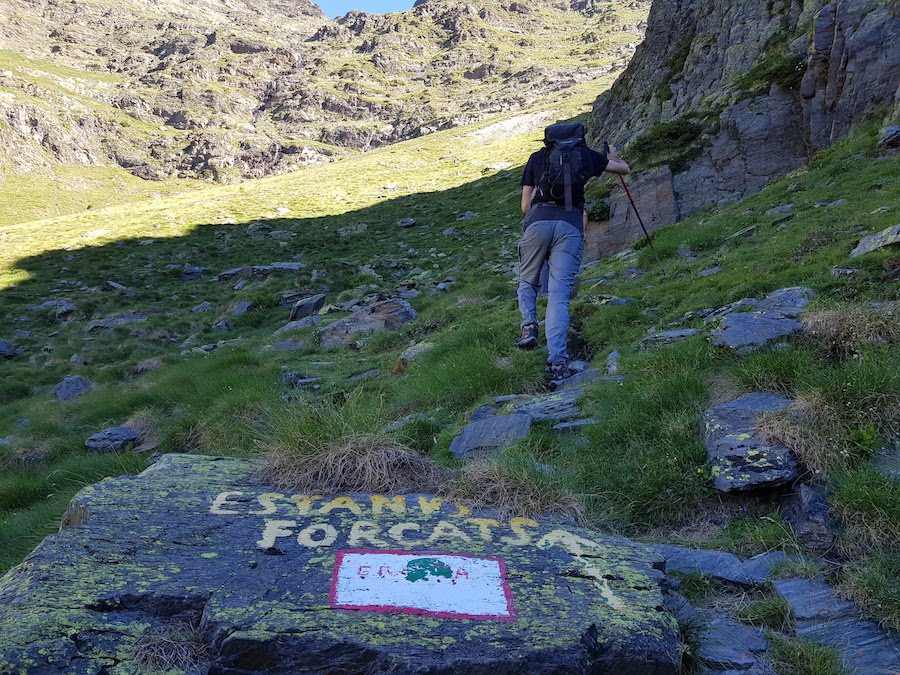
point(639, 471)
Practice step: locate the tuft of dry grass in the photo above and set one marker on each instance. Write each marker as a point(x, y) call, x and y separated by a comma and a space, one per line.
point(178, 646)
point(514, 490)
point(362, 463)
point(844, 332)
point(813, 430)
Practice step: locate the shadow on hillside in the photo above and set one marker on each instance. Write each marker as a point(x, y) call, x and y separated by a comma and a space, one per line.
point(354, 249)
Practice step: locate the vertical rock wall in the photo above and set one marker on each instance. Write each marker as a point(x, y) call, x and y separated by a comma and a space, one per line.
point(772, 82)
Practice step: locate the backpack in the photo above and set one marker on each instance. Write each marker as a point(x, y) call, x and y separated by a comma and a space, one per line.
point(566, 163)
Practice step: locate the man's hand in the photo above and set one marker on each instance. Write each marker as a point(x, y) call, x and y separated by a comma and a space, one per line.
point(613, 152)
point(616, 164)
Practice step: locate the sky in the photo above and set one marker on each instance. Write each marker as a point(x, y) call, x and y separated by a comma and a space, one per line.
point(333, 8)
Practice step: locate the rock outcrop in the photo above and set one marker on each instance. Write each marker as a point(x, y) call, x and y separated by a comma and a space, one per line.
point(196, 548)
point(725, 97)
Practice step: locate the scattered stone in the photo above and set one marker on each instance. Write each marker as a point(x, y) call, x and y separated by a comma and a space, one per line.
point(72, 386)
point(610, 300)
point(8, 349)
point(578, 366)
point(737, 457)
point(288, 346)
point(367, 375)
point(721, 565)
point(62, 309)
point(889, 137)
point(239, 286)
point(23, 334)
point(241, 308)
point(294, 380)
point(350, 230)
point(708, 272)
point(612, 363)
point(490, 436)
point(23, 423)
point(888, 237)
point(780, 210)
point(451, 232)
point(407, 222)
point(202, 307)
point(298, 592)
point(686, 254)
point(843, 273)
point(887, 461)
point(118, 288)
point(113, 439)
point(287, 266)
point(302, 324)
point(806, 511)
point(724, 643)
point(397, 425)
point(468, 215)
point(8, 441)
point(222, 326)
point(146, 366)
point(307, 306)
point(821, 616)
point(668, 337)
point(381, 316)
point(573, 426)
point(191, 272)
point(232, 273)
point(117, 320)
point(750, 323)
point(828, 205)
point(410, 354)
point(75, 359)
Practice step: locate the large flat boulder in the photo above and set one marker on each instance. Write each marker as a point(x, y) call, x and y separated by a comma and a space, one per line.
point(285, 583)
point(738, 458)
point(376, 318)
point(887, 237)
point(750, 324)
point(490, 435)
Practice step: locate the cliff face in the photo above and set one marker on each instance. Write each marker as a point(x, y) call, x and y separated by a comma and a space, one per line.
point(730, 95)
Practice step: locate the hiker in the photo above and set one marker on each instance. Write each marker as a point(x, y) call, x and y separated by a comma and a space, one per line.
point(553, 204)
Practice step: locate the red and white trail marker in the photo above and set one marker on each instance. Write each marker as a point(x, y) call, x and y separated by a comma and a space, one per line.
point(448, 585)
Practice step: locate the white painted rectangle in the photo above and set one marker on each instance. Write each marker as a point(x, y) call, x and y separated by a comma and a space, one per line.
point(447, 585)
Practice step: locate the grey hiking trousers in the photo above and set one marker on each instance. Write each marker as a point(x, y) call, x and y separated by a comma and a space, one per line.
point(562, 245)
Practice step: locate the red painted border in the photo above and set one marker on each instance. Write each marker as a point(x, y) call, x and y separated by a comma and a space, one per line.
point(391, 609)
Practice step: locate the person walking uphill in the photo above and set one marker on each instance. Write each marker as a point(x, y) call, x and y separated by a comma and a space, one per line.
point(553, 204)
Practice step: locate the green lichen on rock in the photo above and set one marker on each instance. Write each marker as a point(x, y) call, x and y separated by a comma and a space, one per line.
point(188, 538)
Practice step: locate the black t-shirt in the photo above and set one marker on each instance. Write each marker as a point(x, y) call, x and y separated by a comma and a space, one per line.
point(534, 169)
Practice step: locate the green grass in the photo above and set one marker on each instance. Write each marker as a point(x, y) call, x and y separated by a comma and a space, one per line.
point(872, 582)
point(795, 656)
point(768, 612)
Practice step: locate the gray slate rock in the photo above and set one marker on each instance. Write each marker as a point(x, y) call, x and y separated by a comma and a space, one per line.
point(407, 222)
point(889, 137)
point(222, 326)
point(709, 271)
point(8, 349)
point(612, 362)
point(72, 386)
point(760, 322)
point(113, 439)
point(117, 320)
point(202, 307)
point(307, 306)
point(367, 375)
point(296, 380)
point(887, 461)
point(302, 324)
point(193, 536)
point(725, 643)
point(806, 510)
point(780, 210)
point(738, 458)
point(490, 436)
point(668, 337)
point(821, 616)
point(887, 237)
point(382, 316)
point(843, 273)
point(191, 272)
point(720, 565)
point(241, 308)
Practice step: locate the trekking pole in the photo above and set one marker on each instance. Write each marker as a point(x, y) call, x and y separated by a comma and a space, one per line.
point(640, 220)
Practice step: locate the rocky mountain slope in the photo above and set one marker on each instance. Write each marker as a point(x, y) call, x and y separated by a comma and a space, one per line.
point(721, 98)
point(227, 91)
